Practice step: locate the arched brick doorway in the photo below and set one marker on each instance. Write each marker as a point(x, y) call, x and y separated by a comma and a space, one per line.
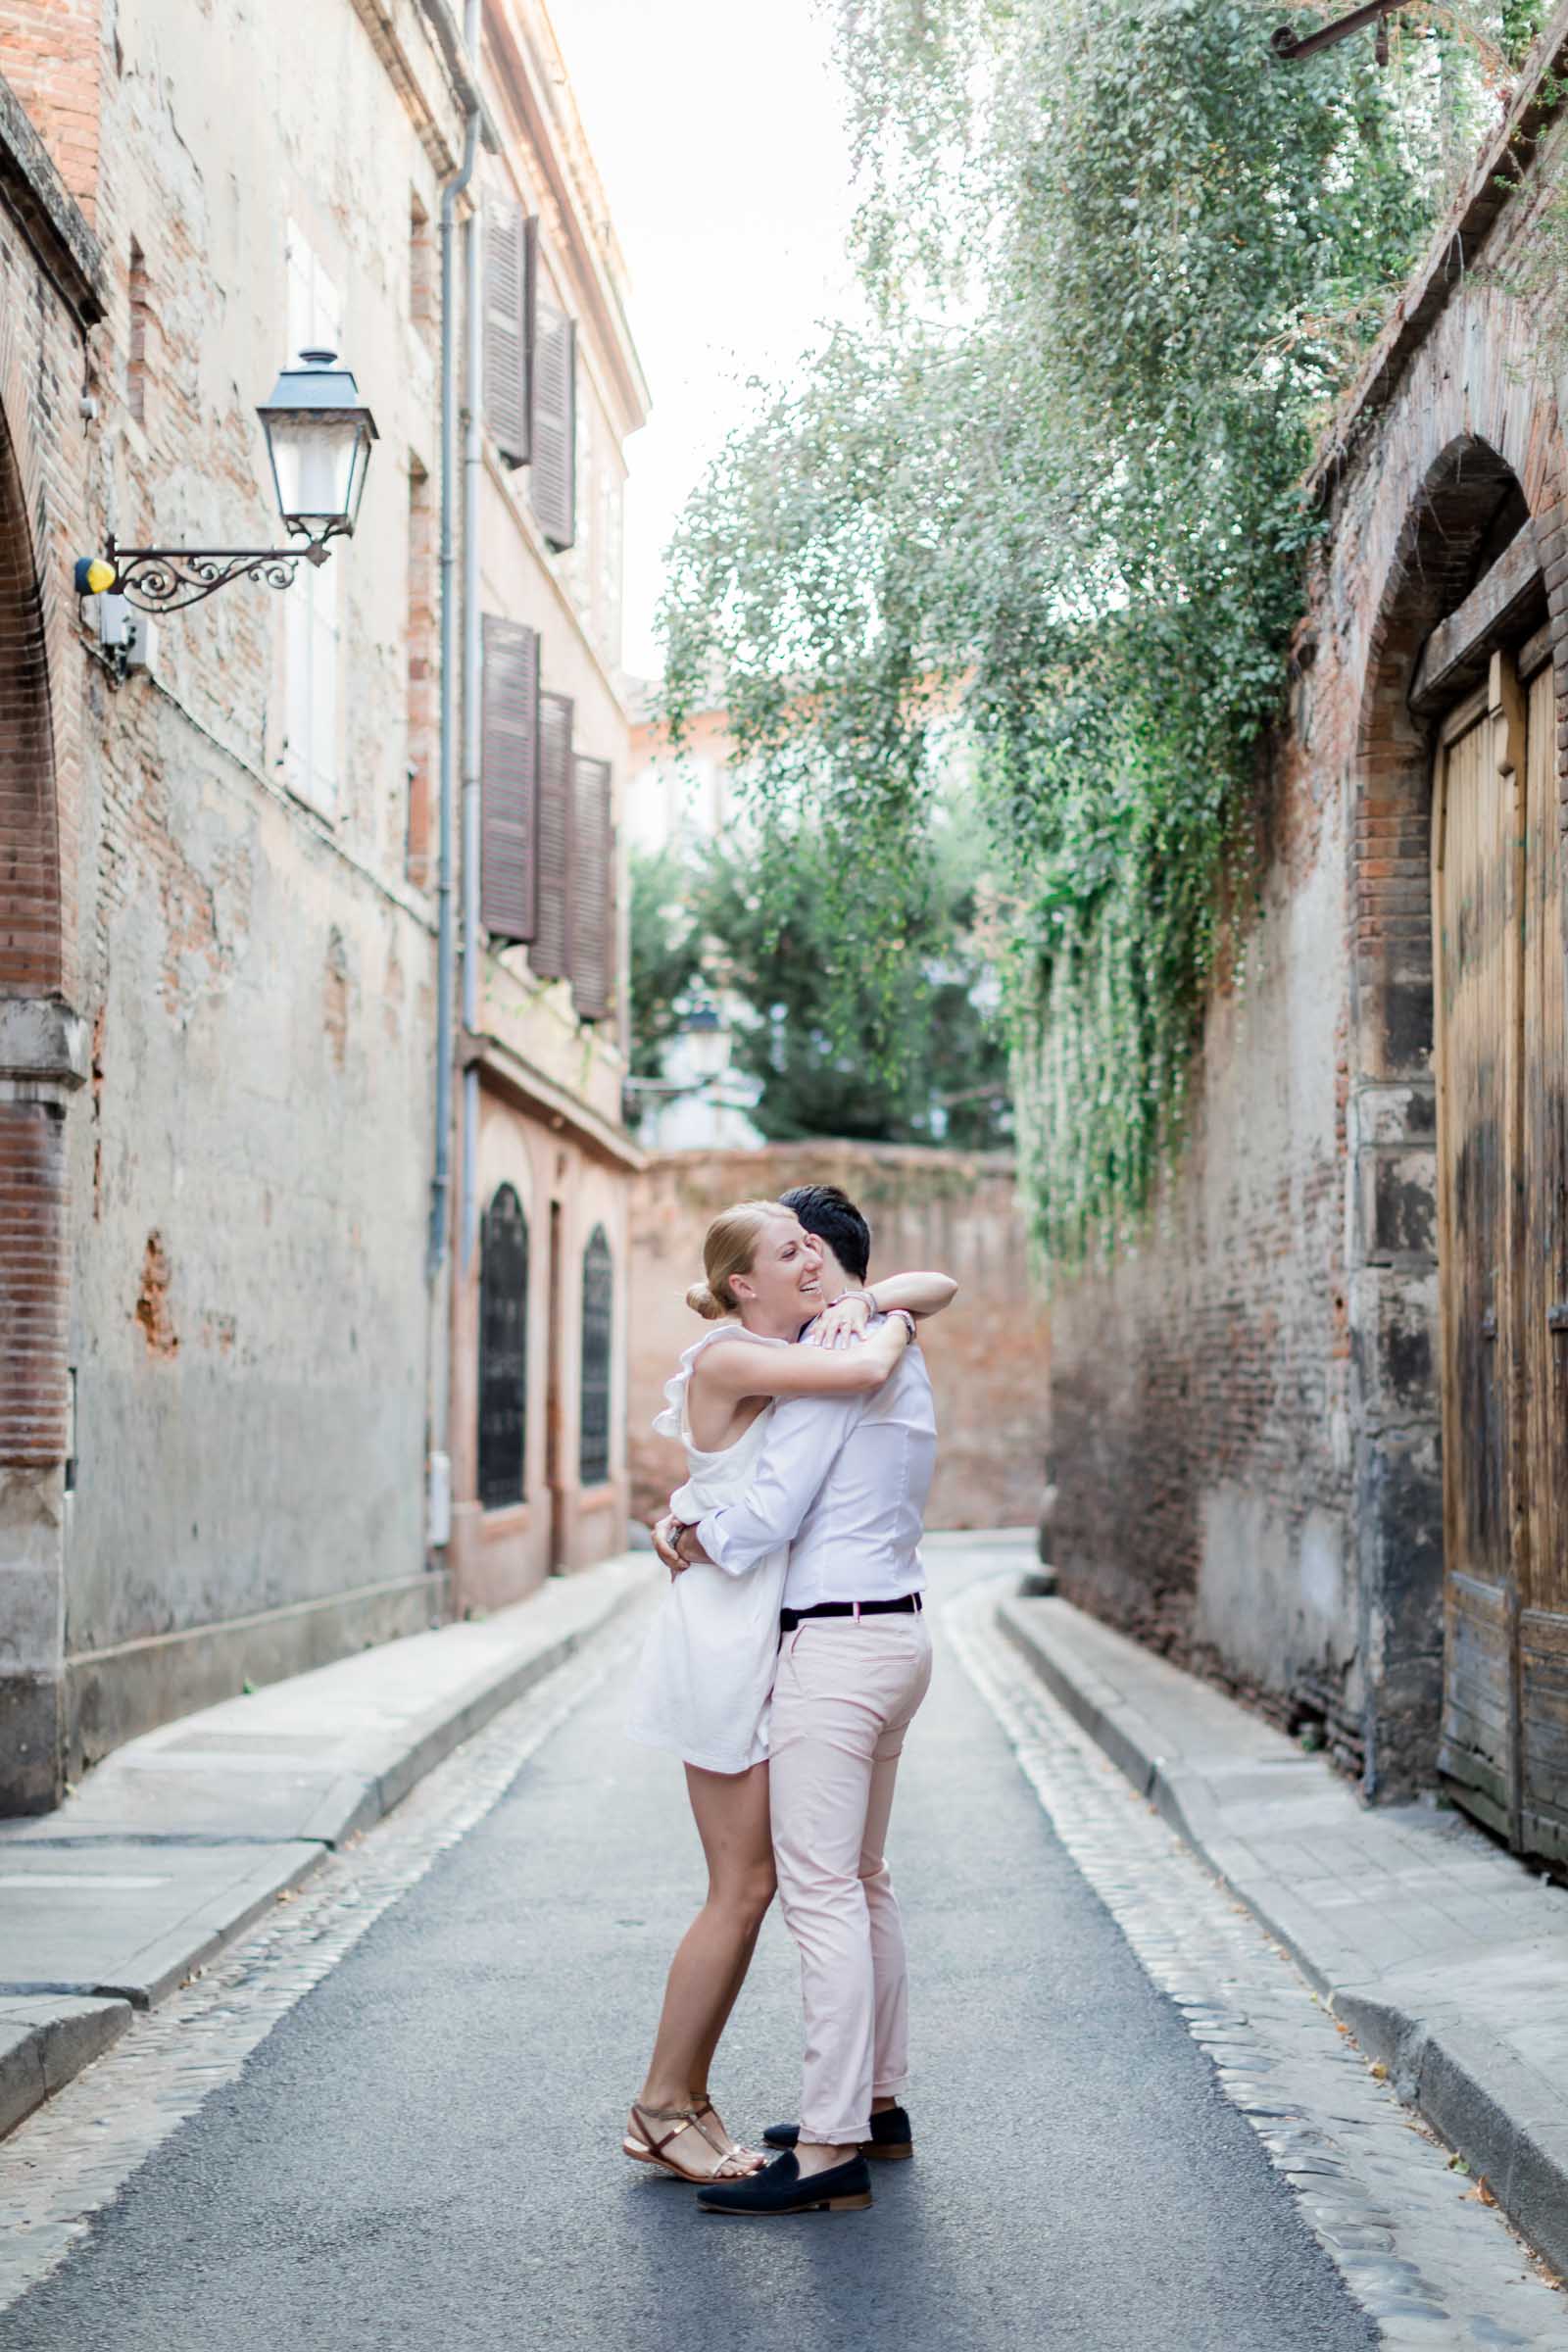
point(33, 1076)
point(1454, 978)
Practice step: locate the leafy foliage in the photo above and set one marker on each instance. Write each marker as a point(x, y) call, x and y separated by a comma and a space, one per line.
point(1118, 263)
point(754, 923)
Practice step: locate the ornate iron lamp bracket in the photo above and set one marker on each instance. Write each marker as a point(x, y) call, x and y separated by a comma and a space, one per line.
point(166, 579)
point(1288, 43)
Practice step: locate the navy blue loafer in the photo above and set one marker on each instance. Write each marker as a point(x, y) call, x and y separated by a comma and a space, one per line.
point(891, 2140)
point(779, 2189)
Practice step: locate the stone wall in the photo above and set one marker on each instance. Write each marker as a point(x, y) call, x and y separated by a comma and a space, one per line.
point(989, 1354)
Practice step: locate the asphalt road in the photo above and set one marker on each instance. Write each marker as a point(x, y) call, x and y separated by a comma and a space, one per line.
point(426, 2151)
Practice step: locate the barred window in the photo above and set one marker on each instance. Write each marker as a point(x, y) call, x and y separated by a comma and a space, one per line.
point(502, 1349)
point(598, 1319)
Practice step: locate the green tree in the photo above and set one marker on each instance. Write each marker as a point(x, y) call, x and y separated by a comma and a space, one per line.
point(1119, 264)
point(835, 1053)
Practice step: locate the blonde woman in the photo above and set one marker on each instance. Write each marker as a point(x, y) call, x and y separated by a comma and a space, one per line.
point(709, 1663)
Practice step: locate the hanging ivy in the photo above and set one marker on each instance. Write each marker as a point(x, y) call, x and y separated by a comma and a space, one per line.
point(1037, 513)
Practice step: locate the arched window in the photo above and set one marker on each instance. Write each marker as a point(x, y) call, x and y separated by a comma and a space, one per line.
point(598, 1321)
point(502, 1349)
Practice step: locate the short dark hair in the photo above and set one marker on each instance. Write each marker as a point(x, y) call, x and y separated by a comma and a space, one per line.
point(834, 1218)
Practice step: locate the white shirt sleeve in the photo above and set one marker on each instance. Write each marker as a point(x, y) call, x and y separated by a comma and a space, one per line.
point(802, 1445)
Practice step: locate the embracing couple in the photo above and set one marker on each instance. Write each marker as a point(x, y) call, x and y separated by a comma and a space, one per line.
point(785, 1664)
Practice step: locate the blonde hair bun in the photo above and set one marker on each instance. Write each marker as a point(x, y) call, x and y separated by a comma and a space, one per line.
point(729, 1247)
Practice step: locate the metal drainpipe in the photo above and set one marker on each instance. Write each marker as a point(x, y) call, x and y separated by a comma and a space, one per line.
point(472, 939)
point(446, 939)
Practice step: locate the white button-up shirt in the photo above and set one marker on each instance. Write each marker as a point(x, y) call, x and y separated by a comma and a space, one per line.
point(844, 1482)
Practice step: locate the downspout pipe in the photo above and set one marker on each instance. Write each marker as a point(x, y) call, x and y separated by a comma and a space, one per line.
point(472, 469)
point(446, 936)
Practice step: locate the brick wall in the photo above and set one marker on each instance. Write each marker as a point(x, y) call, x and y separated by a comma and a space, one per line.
point(1246, 1404)
point(29, 856)
point(989, 1354)
point(1200, 1383)
point(51, 54)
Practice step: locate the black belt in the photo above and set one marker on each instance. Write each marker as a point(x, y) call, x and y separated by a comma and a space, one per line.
point(907, 1604)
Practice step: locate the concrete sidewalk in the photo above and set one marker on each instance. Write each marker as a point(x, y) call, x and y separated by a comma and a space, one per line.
point(178, 1840)
point(1446, 1957)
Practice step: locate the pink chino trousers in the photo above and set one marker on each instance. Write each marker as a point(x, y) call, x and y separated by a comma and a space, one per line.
point(845, 1691)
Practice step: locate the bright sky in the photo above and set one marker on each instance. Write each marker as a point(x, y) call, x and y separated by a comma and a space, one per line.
point(717, 128)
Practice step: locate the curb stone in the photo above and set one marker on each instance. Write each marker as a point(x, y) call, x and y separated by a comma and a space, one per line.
point(45, 2039)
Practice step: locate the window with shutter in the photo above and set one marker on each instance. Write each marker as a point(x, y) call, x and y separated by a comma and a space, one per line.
point(593, 890)
point(509, 257)
point(549, 953)
point(554, 479)
point(508, 797)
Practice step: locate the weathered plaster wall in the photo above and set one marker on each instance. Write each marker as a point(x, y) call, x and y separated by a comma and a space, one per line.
point(238, 1346)
point(250, 1323)
point(989, 1354)
point(498, 1555)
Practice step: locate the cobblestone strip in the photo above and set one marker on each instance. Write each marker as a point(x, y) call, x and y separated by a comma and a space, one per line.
point(70, 2158)
point(1416, 2246)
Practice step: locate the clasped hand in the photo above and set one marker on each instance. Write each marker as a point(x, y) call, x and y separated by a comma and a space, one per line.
point(666, 1533)
point(845, 1320)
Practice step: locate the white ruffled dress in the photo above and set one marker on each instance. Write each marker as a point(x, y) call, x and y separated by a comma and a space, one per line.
point(706, 1672)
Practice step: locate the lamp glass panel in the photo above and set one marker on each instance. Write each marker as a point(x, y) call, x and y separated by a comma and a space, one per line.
point(359, 467)
point(313, 460)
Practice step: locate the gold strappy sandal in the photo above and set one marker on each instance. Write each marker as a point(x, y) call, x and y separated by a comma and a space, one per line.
point(756, 2157)
point(645, 2146)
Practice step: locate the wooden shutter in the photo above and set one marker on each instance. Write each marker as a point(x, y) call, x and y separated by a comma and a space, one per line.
point(593, 890)
point(508, 277)
point(509, 799)
point(553, 478)
point(548, 954)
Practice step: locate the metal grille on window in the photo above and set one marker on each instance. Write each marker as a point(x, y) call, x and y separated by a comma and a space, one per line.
point(598, 1317)
point(502, 1349)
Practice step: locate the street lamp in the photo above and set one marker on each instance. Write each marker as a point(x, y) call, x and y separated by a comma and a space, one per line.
point(319, 435)
point(319, 438)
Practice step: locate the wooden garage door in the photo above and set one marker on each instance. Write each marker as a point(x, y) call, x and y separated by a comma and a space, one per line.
point(1543, 1290)
point(1500, 1040)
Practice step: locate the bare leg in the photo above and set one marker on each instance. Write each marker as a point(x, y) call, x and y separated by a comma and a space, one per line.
point(705, 2054)
point(731, 1812)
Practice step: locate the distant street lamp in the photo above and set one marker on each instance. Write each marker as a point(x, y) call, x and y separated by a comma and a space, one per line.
point(318, 436)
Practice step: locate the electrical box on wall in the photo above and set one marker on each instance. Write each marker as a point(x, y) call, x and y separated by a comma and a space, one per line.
point(129, 637)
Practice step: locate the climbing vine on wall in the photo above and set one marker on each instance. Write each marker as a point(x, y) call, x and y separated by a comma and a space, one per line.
point(1116, 264)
